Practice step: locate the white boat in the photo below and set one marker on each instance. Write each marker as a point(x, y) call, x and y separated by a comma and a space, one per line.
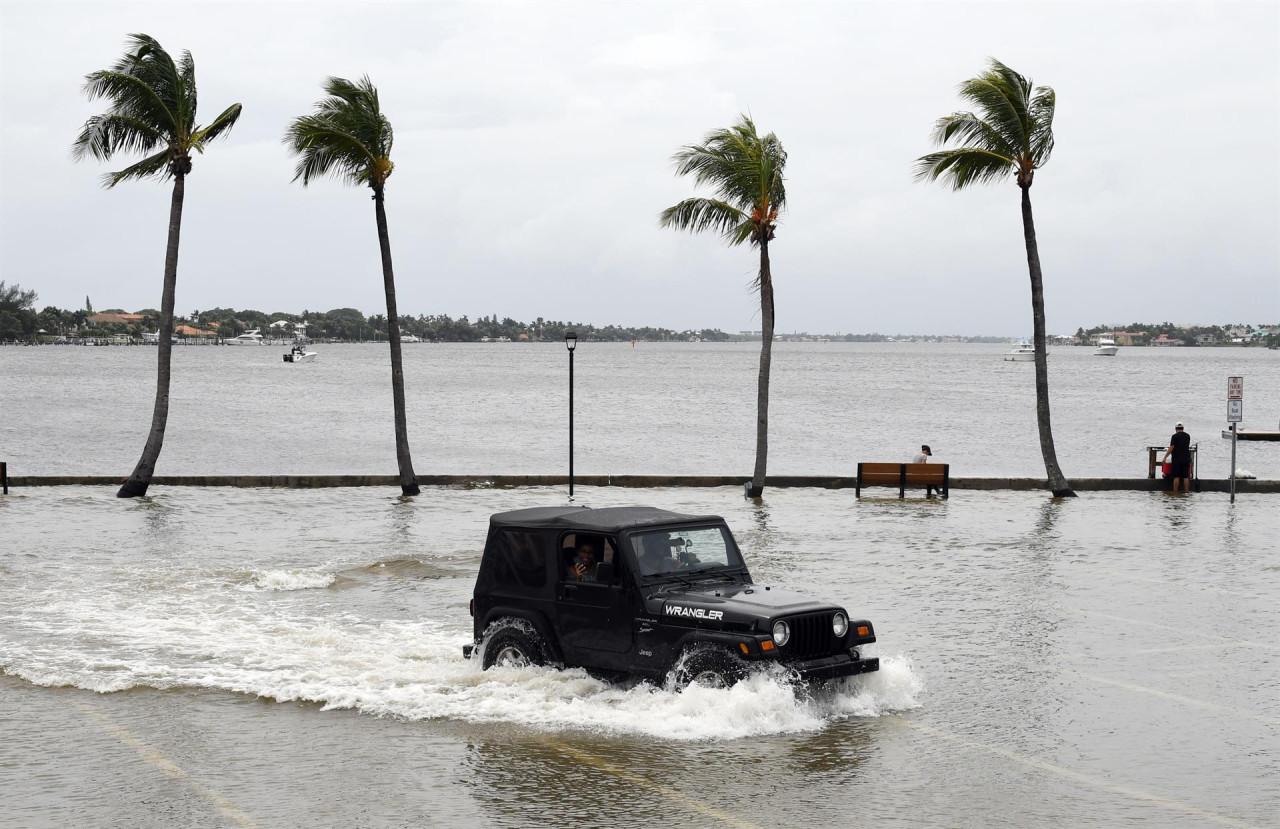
point(1021, 353)
point(1106, 348)
point(410, 338)
point(300, 354)
point(247, 338)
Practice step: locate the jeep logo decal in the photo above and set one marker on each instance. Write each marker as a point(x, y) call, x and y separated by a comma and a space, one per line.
point(695, 612)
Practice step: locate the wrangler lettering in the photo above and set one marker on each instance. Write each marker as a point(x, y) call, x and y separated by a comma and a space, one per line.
point(695, 612)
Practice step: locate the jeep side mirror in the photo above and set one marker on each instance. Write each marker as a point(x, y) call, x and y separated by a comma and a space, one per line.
point(604, 572)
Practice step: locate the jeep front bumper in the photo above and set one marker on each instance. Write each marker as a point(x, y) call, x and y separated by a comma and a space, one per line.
point(834, 667)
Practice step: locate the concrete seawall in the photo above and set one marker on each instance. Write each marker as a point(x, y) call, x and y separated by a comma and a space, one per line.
point(634, 481)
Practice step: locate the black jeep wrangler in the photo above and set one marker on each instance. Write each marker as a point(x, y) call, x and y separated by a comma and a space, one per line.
point(642, 591)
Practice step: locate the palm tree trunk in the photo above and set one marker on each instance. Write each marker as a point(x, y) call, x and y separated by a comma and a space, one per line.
point(136, 484)
point(408, 482)
point(756, 487)
point(1057, 481)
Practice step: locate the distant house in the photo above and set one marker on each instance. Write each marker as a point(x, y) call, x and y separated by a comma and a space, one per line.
point(188, 331)
point(1205, 339)
point(115, 319)
point(1162, 340)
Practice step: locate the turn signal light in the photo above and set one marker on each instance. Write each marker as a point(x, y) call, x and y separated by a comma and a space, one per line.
point(863, 630)
point(766, 645)
point(743, 645)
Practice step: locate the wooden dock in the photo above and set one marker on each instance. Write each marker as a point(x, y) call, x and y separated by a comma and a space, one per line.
point(1253, 434)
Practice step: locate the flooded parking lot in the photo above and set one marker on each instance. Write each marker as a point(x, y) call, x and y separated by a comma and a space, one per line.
point(275, 658)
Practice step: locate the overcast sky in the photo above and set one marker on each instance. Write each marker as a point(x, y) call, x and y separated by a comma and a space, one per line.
point(533, 145)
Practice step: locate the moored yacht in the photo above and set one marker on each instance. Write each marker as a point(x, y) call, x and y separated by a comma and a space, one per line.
point(251, 337)
point(1106, 348)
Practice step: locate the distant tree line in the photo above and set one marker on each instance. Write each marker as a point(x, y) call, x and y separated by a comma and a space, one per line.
point(1142, 333)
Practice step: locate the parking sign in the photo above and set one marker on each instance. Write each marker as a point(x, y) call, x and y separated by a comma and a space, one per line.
point(1235, 388)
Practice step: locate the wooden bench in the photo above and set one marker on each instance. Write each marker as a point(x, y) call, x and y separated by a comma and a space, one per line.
point(903, 475)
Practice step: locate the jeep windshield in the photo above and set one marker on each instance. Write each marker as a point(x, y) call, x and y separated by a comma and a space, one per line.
point(684, 551)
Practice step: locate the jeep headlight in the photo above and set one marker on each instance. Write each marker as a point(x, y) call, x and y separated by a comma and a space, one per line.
point(839, 625)
point(781, 633)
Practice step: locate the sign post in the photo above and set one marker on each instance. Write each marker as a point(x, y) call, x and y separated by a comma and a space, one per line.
point(1235, 413)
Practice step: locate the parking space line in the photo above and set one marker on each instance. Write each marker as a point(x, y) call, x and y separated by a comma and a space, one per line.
point(1080, 777)
point(1244, 643)
point(1142, 689)
point(1208, 588)
point(172, 770)
point(645, 783)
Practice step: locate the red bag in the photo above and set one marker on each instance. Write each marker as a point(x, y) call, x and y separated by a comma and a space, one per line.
point(1166, 468)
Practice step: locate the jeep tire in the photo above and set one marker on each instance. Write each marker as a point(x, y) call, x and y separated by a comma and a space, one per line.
point(513, 647)
point(712, 667)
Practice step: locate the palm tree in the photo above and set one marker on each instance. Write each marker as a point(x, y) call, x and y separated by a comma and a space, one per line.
point(153, 110)
point(744, 170)
point(1012, 133)
point(349, 137)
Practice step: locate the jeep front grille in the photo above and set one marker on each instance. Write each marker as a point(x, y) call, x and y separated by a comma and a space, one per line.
point(811, 636)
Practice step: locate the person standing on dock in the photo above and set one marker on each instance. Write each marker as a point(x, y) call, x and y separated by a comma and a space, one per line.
point(1180, 448)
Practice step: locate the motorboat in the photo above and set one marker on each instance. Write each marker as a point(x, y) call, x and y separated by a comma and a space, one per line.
point(300, 354)
point(251, 337)
point(1106, 348)
point(410, 338)
point(1021, 353)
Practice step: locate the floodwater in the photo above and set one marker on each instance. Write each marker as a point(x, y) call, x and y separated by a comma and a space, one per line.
point(651, 409)
point(284, 658)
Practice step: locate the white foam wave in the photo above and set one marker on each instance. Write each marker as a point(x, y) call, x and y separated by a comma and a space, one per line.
point(292, 580)
point(412, 670)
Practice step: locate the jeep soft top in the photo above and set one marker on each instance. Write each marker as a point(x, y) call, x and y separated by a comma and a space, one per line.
point(648, 592)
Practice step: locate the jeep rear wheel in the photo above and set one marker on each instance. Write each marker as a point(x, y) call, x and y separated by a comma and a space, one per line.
point(712, 668)
point(512, 647)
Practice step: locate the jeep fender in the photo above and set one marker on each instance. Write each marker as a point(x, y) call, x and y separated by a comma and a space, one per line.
point(716, 638)
point(538, 620)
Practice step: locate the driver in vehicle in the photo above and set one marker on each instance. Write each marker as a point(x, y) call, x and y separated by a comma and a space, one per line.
point(655, 556)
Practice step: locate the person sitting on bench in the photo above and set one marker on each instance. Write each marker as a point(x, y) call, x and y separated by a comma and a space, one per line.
point(923, 457)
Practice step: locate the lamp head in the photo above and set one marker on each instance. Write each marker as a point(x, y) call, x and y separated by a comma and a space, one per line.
point(570, 340)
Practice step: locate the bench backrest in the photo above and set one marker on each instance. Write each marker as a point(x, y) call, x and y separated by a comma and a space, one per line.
point(879, 474)
point(926, 473)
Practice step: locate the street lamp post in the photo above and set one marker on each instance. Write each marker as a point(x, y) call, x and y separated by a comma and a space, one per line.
point(570, 342)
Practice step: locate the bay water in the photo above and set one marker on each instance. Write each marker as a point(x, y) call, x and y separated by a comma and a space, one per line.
point(652, 408)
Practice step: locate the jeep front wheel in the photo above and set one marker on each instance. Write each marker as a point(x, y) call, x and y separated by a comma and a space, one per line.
point(712, 668)
point(512, 647)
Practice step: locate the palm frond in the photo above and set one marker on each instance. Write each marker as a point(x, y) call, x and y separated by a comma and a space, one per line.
point(969, 130)
point(219, 127)
point(963, 166)
point(999, 108)
point(696, 215)
point(133, 97)
point(1042, 109)
point(187, 81)
point(154, 166)
point(104, 135)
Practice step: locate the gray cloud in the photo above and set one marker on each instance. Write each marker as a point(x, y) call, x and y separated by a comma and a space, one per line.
point(532, 147)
